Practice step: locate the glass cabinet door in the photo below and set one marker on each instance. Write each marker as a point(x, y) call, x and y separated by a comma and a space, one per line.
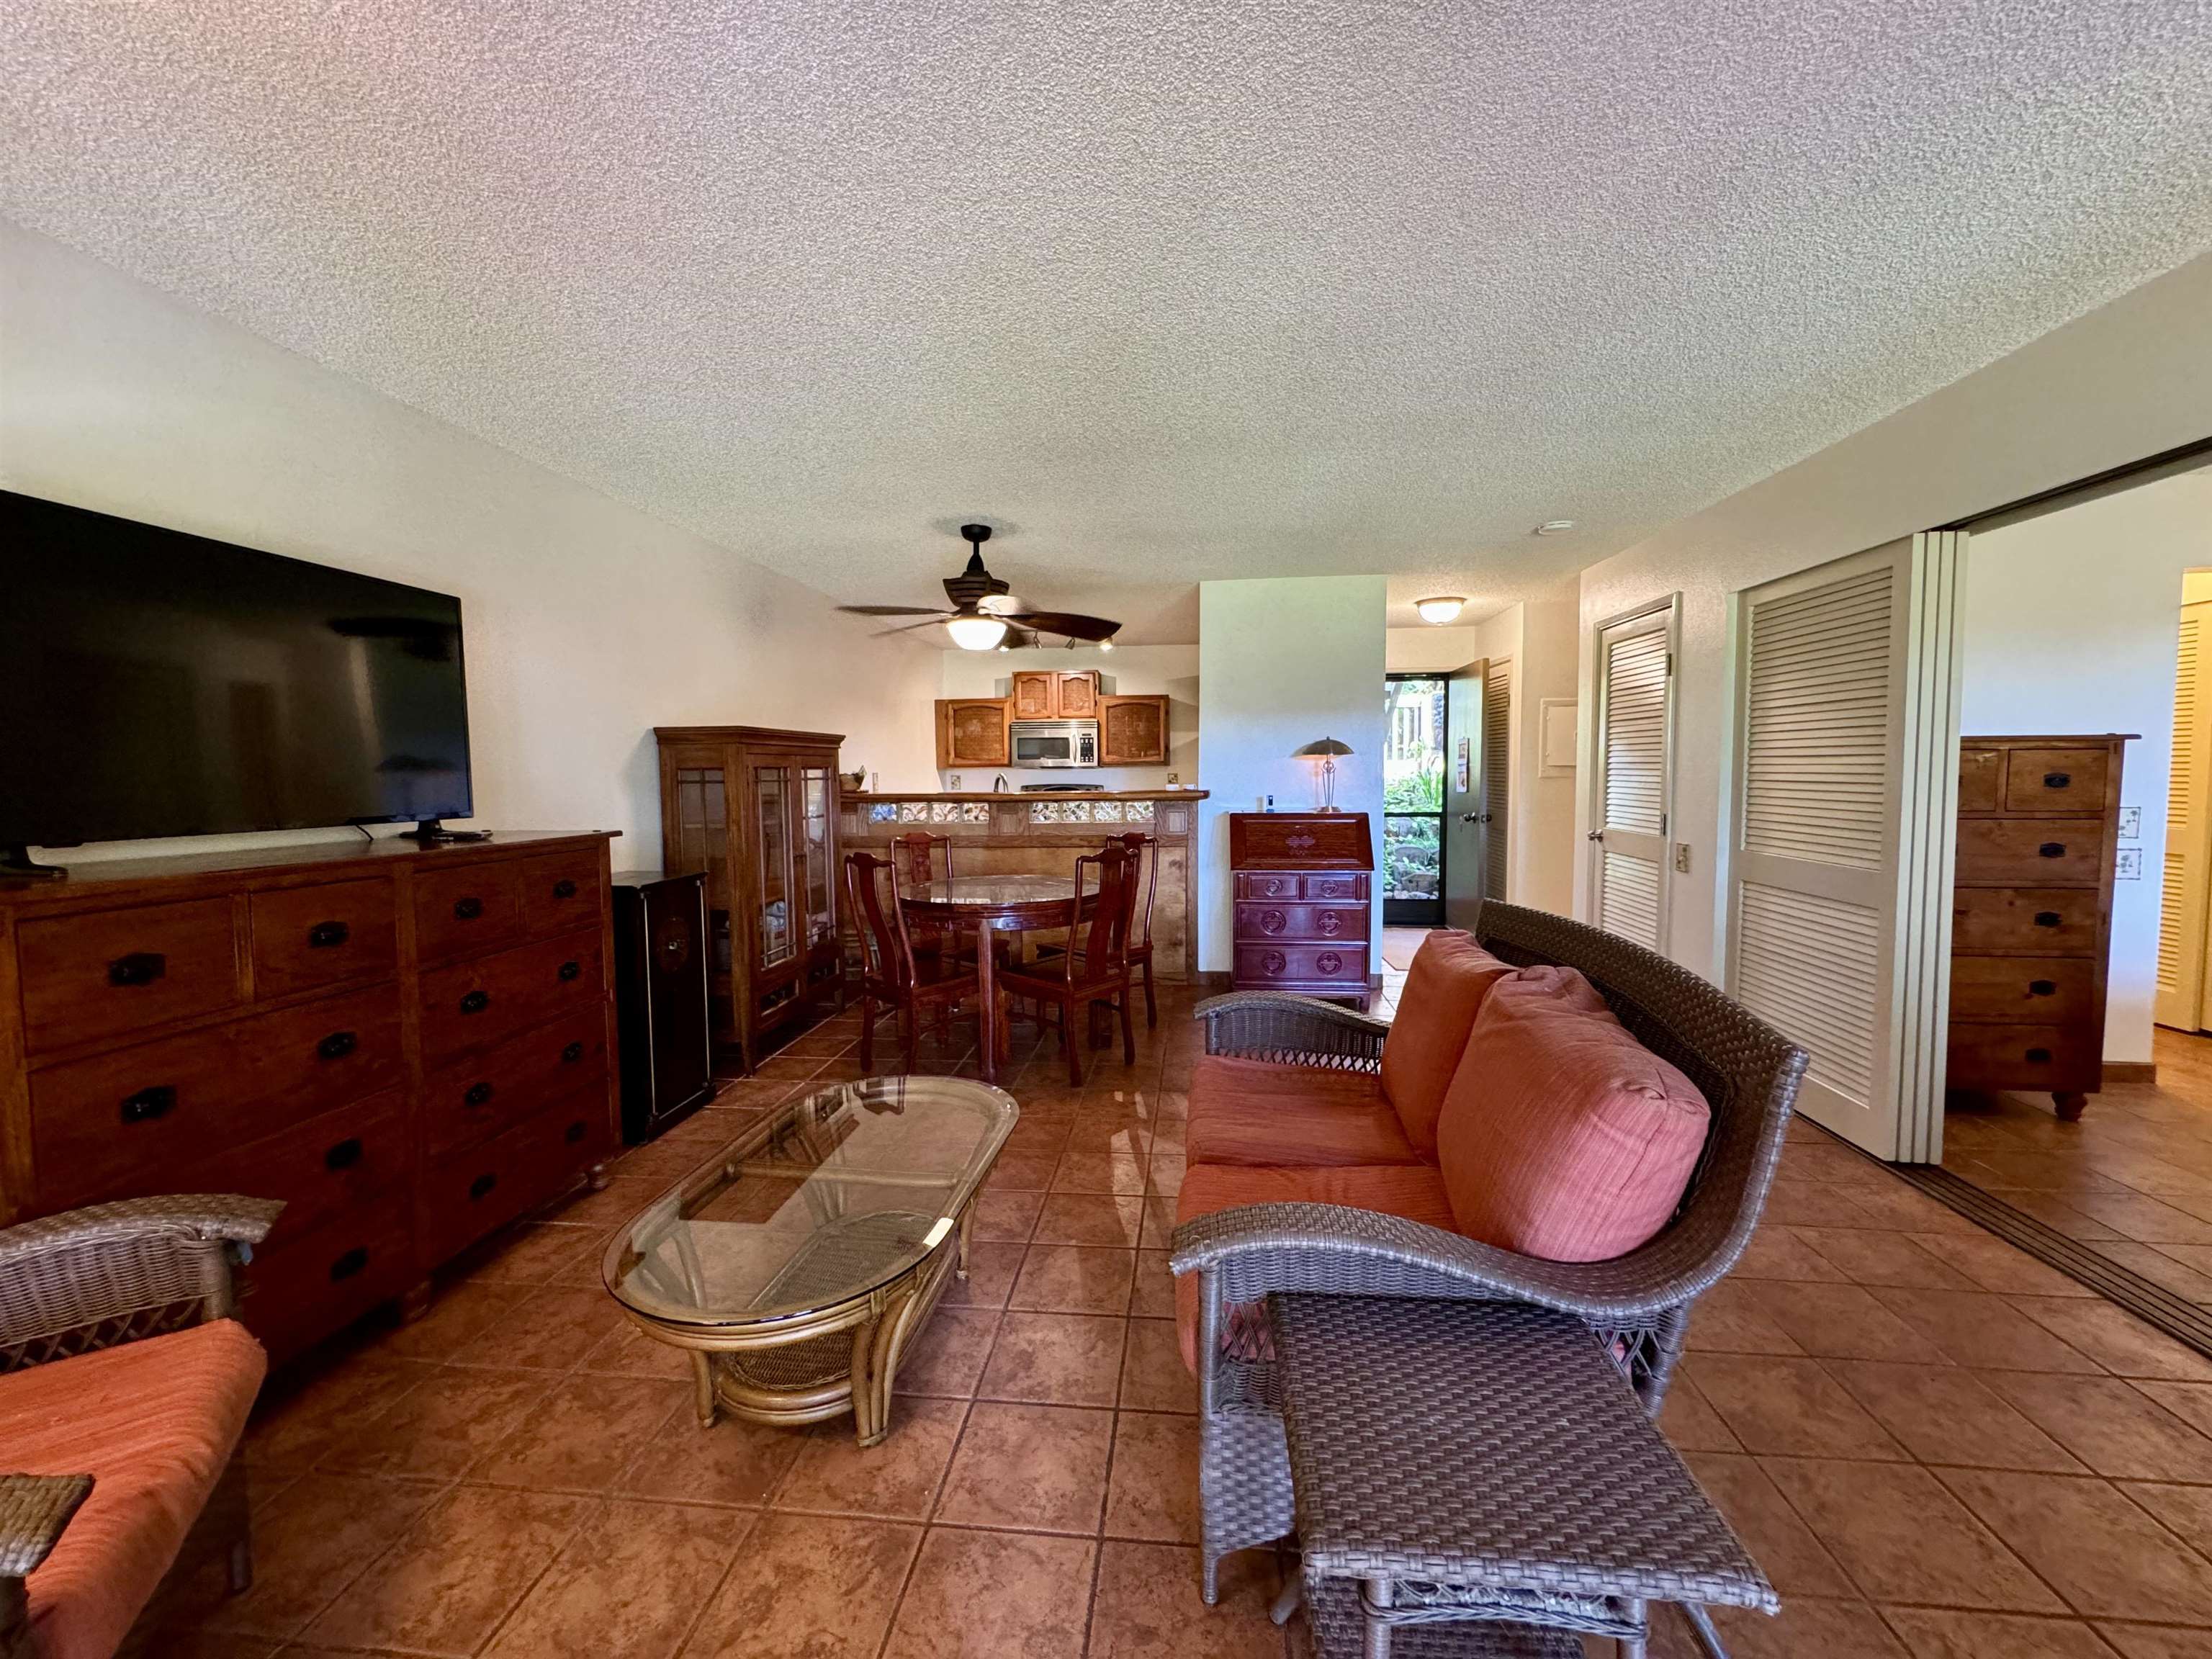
point(821, 879)
point(772, 798)
point(702, 831)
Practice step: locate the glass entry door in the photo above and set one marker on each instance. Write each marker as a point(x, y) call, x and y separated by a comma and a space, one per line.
point(1413, 754)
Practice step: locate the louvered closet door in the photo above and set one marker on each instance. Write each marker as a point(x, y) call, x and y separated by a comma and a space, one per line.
point(1633, 776)
point(2185, 951)
point(1846, 774)
point(1496, 774)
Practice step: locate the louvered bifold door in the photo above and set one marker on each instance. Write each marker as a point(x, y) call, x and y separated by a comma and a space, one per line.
point(1630, 781)
point(2184, 899)
point(1847, 770)
point(1497, 776)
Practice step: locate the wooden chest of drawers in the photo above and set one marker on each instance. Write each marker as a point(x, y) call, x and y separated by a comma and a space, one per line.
point(2031, 919)
point(1301, 907)
point(410, 1046)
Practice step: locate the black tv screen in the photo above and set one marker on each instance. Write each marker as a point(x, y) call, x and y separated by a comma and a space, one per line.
point(157, 683)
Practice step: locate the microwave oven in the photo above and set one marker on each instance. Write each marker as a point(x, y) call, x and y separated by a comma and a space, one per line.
point(1054, 743)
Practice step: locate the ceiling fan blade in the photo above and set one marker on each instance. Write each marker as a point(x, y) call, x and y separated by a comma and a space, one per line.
point(892, 611)
point(1075, 625)
point(927, 622)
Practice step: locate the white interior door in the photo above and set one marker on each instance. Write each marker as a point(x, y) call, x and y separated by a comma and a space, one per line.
point(2184, 949)
point(1632, 783)
point(1496, 774)
point(1846, 799)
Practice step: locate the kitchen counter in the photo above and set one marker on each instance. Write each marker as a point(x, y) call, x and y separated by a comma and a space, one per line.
point(1020, 794)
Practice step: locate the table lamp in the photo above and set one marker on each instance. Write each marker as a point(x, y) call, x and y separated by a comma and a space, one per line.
point(1325, 752)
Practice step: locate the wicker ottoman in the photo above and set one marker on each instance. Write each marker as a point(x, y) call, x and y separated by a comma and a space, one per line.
point(1477, 1479)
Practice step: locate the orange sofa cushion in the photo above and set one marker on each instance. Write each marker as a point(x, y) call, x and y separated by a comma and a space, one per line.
point(1562, 1136)
point(1444, 991)
point(1414, 1191)
point(1254, 1111)
point(154, 1423)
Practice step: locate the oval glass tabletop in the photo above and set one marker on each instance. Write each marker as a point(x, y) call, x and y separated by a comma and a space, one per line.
point(825, 1200)
point(983, 891)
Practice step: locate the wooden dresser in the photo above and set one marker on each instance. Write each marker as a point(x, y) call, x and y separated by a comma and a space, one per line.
point(409, 1046)
point(1301, 906)
point(2032, 914)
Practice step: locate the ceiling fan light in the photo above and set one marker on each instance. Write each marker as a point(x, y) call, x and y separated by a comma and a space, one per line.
point(1106, 644)
point(976, 633)
point(1440, 610)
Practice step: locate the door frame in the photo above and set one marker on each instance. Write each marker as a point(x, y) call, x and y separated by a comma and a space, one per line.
point(2184, 1008)
point(1593, 805)
point(1427, 913)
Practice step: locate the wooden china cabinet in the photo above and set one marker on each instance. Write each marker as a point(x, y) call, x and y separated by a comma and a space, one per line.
point(754, 810)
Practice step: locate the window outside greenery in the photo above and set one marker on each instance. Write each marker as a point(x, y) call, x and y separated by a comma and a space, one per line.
point(1412, 788)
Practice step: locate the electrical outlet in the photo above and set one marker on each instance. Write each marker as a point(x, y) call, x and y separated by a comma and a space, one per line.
point(2131, 823)
point(2130, 867)
point(1682, 858)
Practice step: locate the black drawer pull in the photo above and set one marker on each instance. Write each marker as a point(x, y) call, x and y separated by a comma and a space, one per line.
point(2043, 987)
point(467, 909)
point(2038, 1056)
point(139, 967)
point(2048, 918)
point(564, 889)
point(149, 1103)
point(482, 1184)
point(571, 970)
point(326, 935)
point(476, 1095)
point(475, 1002)
point(2057, 779)
point(337, 1045)
point(2051, 849)
point(576, 1131)
point(572, 1053)
point(343, 1155)
point(348, 1264)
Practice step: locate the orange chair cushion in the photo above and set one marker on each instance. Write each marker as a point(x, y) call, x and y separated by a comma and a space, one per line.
point(154, 1423)
point(1254, 1111)
point(1444, 991)
point(1414, 1191)
point(1562, 1136)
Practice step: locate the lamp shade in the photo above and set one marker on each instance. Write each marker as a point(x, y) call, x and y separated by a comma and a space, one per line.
point(976, 633)
point(1324, 746)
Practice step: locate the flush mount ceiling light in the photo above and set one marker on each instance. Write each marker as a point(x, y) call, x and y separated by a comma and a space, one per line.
point(1555, 527)
point(1440, 610)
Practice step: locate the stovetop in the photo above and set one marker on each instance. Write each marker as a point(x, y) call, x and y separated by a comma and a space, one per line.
point(1063, 789)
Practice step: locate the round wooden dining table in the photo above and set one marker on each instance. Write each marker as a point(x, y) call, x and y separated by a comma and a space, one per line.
point(986, 903)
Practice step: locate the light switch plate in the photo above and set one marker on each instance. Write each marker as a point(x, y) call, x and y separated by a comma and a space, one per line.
point(1682, 858)
point(2130, 867)
point(2131, 823)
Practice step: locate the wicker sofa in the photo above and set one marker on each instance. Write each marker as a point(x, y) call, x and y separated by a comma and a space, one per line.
point(124, 1390)
point(1340, 1228)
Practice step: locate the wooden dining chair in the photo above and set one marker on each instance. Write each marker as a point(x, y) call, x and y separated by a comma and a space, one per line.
point(1094, 968)
point(890, 972)
point(1145, 877)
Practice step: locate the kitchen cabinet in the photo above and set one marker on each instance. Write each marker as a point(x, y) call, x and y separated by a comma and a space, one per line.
point(1133, 730)
point(972, 732)
point(1046, 694)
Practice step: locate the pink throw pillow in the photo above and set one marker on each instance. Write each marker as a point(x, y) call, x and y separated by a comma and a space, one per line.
point(1444, 989)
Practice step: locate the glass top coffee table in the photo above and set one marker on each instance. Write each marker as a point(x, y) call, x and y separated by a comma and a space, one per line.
point(798, 1263)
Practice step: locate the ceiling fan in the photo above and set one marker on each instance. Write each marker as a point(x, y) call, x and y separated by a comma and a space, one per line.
point(985, 616)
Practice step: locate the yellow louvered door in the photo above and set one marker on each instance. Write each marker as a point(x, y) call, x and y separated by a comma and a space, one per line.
point(1497, 776)
point(1841, 869)
point(1632, 776)
point(2185, 939)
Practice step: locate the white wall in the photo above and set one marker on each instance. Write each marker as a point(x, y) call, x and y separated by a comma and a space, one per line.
point(2125, 381)
point(1284, 662)
point(2047, 651)
point(587, 622)
point(1169, 670)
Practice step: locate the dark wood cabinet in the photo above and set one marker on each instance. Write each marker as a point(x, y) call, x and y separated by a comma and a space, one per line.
point(1133, 730)
point(754, 811)
point(335, 1028)
point(972, 732)
point(2032, 914)
point(1301, 910)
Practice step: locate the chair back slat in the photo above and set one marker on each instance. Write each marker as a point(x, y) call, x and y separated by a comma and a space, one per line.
point(916, 854)
point(1106, 938)
point(1144, 883)
point(886, 951)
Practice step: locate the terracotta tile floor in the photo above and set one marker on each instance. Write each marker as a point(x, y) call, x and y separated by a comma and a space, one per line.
point(1937, 1447)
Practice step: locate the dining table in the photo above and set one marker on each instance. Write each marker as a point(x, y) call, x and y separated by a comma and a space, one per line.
point(1011, 902)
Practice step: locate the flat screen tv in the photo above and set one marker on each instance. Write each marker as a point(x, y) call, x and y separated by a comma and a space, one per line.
point(157, 683)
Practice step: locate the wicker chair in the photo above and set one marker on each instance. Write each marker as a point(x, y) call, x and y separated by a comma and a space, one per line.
point(1639, 1302)
point(96, 1278)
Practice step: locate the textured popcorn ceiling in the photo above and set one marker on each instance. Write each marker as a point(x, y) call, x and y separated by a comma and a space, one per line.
point(1174, 291)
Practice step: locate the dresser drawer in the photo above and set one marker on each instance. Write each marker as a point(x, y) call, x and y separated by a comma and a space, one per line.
point(2057, 782)
point(1981, 779)
point(2015, 990)
point(482, 1093)
point(1298, 966)
point(2046, 921)
point(1264, 885)
point(306, 939)
point(1322, 922)
point(110, 1120)
point(324, 1279)
point(116, 971)
point(468, 1193)
point(473, 1005)
point(561, 891)
point(1337, 885)
point(336, 1162)
point(458, 912)
point(2059, 1059)
point(2032, 851)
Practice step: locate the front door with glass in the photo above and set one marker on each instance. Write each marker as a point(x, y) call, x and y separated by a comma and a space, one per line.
point(1413, 800)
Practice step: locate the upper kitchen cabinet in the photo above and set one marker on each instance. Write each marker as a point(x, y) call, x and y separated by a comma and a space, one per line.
point(972, 731)
point(1133, 730)
point(1078, 695)
point(1045, 694)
